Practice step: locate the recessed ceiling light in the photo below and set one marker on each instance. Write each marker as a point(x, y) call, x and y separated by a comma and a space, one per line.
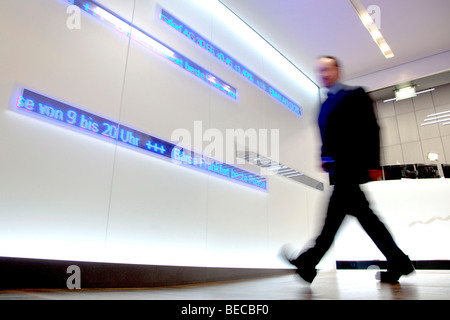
point(368, 22)
point(417, 93)
point(405, 93)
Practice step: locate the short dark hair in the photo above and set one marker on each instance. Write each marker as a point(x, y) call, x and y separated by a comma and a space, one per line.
point(336, 61)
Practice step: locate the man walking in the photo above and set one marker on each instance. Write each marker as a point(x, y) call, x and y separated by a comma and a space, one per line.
point(351, 155)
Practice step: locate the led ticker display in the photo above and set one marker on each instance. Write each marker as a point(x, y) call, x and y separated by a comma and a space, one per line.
point(78, 119)
point(221, 55)
point(139, 36)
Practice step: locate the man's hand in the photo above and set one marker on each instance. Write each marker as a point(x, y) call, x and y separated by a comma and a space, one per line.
point(328, 164)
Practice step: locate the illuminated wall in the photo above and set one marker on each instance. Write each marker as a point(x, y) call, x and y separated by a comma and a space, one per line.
point(66, 193)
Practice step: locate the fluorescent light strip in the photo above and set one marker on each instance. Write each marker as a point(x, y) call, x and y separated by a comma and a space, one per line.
point(440, 117)
point(434, 122)
point(423, 91)
point(367, 21)
point(439, 113)
point(274, 167)
point(417, 93)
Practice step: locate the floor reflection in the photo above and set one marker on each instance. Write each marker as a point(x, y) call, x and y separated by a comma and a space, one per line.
point(340, 285)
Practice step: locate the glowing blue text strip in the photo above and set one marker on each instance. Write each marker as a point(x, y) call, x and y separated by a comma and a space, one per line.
point(47, 108)
point(221, 55)
point(141, 37)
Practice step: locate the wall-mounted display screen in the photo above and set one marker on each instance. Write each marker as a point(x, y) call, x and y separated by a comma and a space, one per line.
point(228, 60)
point(48, 108)
point(143, 38)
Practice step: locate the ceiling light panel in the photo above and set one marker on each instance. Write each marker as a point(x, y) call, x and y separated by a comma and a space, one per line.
point(370, 25)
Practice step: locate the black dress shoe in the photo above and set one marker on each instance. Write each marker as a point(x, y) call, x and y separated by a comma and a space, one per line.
point(307, 274)
point(393, 274)
point(387, 277)
point(304, 270)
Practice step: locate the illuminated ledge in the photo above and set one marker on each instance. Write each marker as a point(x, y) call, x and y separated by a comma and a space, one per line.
point(278, 168)
point(19, 273)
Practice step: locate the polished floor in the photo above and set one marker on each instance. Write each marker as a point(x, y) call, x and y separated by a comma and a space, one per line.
point(334, 285)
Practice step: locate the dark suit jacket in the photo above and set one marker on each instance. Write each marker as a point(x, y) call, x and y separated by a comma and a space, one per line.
point(350, 135)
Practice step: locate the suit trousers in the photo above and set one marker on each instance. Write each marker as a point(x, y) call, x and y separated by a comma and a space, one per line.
point(350, 199)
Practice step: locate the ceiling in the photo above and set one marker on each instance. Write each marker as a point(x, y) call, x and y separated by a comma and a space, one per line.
point(302, 30)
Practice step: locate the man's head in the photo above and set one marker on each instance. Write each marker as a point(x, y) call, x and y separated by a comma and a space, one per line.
point(329, 70)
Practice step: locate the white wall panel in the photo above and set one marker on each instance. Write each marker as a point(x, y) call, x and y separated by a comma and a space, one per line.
point(55, 185)
point(426, 132)
point(158, 211)
point(442, 96)
point(407, 129)
point(412, 152)
point(423, 101)
point(446, 145)
point(403, 106)
point(67, 194)
point(389, 131)
point(393, 154)
point(385, 109)
point(444, 130)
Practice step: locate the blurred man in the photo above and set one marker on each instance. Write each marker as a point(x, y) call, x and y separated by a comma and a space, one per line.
point(351, 155)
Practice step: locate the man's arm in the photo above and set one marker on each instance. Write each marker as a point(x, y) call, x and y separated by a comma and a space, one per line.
point(370, 134)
